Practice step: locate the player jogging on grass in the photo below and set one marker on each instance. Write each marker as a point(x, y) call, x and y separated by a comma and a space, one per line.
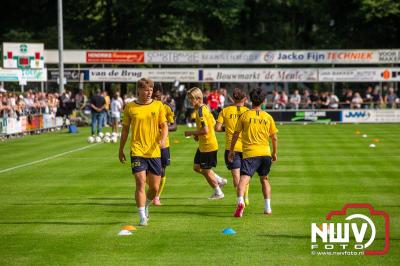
point(165, 153)
point(206, 154)
point(257, 127)
point(228, 118)
point(144, 117)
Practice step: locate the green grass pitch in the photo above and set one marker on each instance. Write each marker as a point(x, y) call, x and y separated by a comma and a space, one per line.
point(68, 210)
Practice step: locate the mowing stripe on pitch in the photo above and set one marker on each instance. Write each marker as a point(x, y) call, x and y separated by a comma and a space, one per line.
point(46, 159)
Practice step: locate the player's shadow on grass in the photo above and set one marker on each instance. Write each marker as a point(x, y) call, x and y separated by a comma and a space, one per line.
point(112, 198)
point(284, 236)
point(128, 204)
point(62, 223)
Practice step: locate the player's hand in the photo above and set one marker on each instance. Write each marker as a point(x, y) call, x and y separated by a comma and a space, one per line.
point(188, 133)
point(121, 157)
point(231, 156)
point(162, 144)
point(196, 138)
point(274, 157)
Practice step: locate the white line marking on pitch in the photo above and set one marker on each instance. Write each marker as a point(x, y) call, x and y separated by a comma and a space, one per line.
point(46, 159)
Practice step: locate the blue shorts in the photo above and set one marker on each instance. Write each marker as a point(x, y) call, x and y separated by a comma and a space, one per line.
point(165, 157)
point(237, 160)
point(261, 164)
point(152, 165)
point(206, 160)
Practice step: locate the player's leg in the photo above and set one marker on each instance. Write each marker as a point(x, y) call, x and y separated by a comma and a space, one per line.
point(240, 190)
point(263, 172)
point(212, 181)
point(94, 122)
point(139, 169)
point(154, 177)
point(165, 161)
point(247, 170)
point(266, 189)
point(156, 200)
point(140, 196)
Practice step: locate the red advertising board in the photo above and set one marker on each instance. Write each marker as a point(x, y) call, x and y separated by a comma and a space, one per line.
point(127, 57)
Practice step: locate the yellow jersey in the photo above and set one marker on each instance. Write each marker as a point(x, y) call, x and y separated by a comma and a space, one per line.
point(144, 121)
point(204, 118)
point(256, 127)
point(229, 116)
point(170, 116)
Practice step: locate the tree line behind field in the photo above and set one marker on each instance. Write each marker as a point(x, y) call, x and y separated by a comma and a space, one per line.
point(206, 24)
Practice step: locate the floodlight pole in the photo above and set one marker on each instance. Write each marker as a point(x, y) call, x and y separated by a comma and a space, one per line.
point(60, 48)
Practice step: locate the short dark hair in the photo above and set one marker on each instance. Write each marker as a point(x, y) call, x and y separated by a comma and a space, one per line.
point(257, 96)
point(238, 95)
point(157, 87)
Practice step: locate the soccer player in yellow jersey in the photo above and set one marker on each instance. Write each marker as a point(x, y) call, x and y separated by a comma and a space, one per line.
point(144, 117)
point(228, 118)
point(257, 127)
point(206, 154)
point(165, 154)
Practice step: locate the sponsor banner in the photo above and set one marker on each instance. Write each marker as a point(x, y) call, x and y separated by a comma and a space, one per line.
point(259, 75)
point(212, 57)
point(133, 75)
point(29, 75)
point(332, 57)
point(203, 57)
point(371, 116)
point(10, 75)
point(23, 55)
point(317, 116)
point(69, 75)
point(115, 57)
point(274, 57)
point(359, 74)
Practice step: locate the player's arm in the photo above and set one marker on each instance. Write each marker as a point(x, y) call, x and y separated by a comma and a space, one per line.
point(220, 121)
point(231, 154)
point(203, 131)
point(173, 126)
point(124, 137)
point(164, 134)
point(218, 127)
point(274, 139)
point(204, 127)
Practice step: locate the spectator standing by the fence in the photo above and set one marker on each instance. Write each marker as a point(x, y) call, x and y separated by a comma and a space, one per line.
point(391, 99)
point(357, 101)
point(333, 101)
point(377, 98)
point(295, 100)
point(98, 105)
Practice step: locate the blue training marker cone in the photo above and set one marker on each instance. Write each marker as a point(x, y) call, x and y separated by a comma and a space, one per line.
point(228, 231)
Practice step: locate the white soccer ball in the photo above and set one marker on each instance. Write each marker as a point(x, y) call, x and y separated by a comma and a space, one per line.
point(90, 139)
point(114, 139)
point(106, 139)
point(108, 134)
point(101, 134)
point(97, 139)
point(114, 134)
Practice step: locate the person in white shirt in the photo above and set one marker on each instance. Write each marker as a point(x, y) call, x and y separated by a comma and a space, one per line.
point(356, 101)
point(295, 99)
point(116, 109)
point(333, 101)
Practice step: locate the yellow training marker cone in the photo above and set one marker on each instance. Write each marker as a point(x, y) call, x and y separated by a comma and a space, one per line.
point(358, 132)
point(129, 228)
point(176, 141)
point(376, 140)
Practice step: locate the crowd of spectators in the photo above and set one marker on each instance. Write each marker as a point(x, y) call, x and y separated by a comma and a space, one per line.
point(30, 102)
